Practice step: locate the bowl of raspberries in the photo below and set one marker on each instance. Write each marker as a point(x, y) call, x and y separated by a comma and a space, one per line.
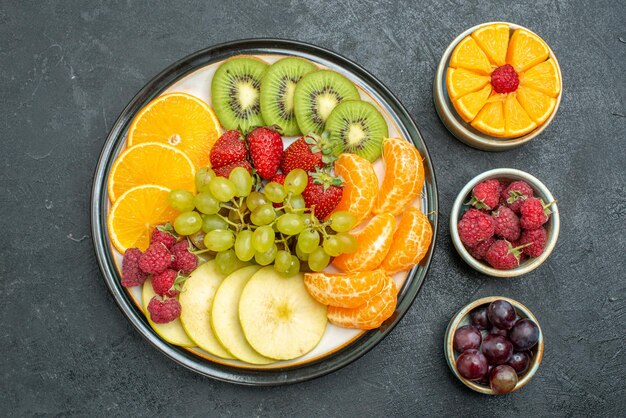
point(504, 222)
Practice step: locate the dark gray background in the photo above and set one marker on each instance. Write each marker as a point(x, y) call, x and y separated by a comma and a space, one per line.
point(68, 68)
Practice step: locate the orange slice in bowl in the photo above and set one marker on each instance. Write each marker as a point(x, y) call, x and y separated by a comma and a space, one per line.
point(490, 119)
point(460, 81)
point(360, 186)
point(468, 55)
point(539, 106)
point(543, 77)
point(526, 50)
point(516, 120)
point(410, 242)
point(494, 40)
point(469, 105)
point(345, 290)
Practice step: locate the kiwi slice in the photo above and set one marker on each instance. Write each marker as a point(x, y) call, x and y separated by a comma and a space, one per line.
point(277, 89)
point(316, 96)
point(357, 127)
point(235, 92)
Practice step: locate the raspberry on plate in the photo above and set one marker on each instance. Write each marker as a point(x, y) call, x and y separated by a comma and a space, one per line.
point(533, 213)
point(515, 194)
point(156, 259)
point(132, 275)
point(486, 195)
point(164, 234)
point(475, 226)
point(184, 260)
point(502, 256)
point(163, 311)
point(537, 239)
point(163, 283)
point(507, 224)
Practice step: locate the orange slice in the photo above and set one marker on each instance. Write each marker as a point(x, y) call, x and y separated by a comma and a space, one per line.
point(404, 176)
point(360, 187)
point(494, 40)
point(410, 242)
point(469, 105)
point(460, 81)
point(516, 120)
point(543, 77)
point(468, 55)
point(345, 290)
point(526, 50)
point(490, 120)
point(373, 244)
point(538, 105)
point(370, 315)
point(180, 120)
point(135, 214)
point(151, 163)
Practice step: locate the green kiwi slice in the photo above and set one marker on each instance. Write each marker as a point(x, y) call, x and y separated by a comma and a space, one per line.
point(277, 90)
point(316, 96)
point(357, 127)
point(235, 91)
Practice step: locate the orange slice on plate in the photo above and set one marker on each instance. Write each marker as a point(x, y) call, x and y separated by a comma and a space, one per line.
point(135, 214)
point(460, 81)
point(516, 120)
point(490, 119)
point(543, 77)
point(180, 120)
point(360, 187)
point(526, 50)
point(410, 242)
point(151, 163)
point(468, 55)
point(539, 106)
point(345, 290)
point(469, 105)
point(494, 40)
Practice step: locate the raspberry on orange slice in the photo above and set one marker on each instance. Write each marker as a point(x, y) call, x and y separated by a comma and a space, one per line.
point(543, 77)
point(490, 119)
point(494, 40)
point(526, 50)
point(469, 105)
point(460, 81)
point(468, 55)
point(539, 106)
point(345, 290)
point(516, 120)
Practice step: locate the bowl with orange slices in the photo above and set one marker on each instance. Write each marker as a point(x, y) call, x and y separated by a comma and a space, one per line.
point(498, 85)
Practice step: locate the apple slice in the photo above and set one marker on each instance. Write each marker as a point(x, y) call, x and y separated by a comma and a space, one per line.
point(172, 332)
point(225, 317)
point(279, 318)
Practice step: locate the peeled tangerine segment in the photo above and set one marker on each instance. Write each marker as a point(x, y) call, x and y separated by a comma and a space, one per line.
point(516, 120)
point(543, 77)
point(410, 242)
point(468, 55)
point(526, 50)
point(361, 185)
point(490, 120)
point(469, 105)
point(345, 290)
point(494, 40)
point(460, 81)
point(539, 106)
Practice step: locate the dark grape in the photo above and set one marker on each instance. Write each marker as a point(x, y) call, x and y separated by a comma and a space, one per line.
point(524, 335)
point(503, 379)
point(467, 337)
point(501, 314)
point(520, 362)
point(498, 331)
point(479, 318)
point(497, 349)
point(472, 365)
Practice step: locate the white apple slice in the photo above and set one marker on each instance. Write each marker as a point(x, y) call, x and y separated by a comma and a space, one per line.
point(279, 318)
point(172, 332)
point(225, 317)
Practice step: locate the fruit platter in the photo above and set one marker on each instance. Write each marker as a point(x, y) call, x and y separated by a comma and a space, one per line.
point(264, 211)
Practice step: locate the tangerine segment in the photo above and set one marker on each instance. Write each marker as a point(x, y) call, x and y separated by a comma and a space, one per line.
point(410, 242)
point(373, 244)
point(370, 315)
point(494, 40)
point(135, 214)
point(526, 50)
point(460, 81)
point(404, 176)
point(490, 120)
point(516, 120)
point(469, 105)
point(344, 290)
point(360, 186)
point(468, 55)
point(151, 163)
point(180, 120)
point(538, 105)
point(543, 77)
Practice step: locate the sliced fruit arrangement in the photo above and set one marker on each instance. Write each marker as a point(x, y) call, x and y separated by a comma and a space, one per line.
point(503, 87)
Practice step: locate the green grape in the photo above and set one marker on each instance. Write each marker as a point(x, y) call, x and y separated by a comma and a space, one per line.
point(211, 222)
point(242, 181)
point(302, 256)
point(222, 189)
point(290, 224)
point(275, 192)
point(342, 221)
point(219, 239)
point(349, 244)
point(318, 259)
point(308, 240)
point(266, 257)
point(297, 203)
point(255, 199)
point(283, 261)
point(188, 223)
point(203, 177)
point(243, 245)
point(296, 181)
point(294, 267)
point(206, 203)
point(226, 261)
point(263, 214)
point(333, 246)
point(263, 238)
point(181, 200)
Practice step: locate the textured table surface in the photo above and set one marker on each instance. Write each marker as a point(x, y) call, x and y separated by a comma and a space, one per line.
point(68, 68)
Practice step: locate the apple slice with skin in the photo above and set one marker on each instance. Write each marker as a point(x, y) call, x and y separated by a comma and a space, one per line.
point(172, 332)
point(278, 316)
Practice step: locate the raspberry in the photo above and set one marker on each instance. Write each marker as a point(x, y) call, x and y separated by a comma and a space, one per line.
point(163, 311)
point(475, 226)
point(502, 255)
point(165, 235)
point(537, 238)
point(184, 260)
point(163, 283)
point(131, 273)
point(516, 193)
point(507, 224)
point(486, 195)
point(504, 79)
point(533, 213)
point(156, 259)
point(479, 251)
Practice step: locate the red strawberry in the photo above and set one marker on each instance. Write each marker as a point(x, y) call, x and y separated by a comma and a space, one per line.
point(503, 256)
point(307, 153)
point(225, 170)
point(486, 194)
point(279, 178)
point(228, 149)
point(323, 193)
point(266, 150)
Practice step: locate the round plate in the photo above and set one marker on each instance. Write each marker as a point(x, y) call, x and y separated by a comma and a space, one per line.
point(176, 77)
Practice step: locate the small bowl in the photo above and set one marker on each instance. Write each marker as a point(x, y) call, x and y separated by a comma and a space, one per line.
point(461, 129)
point(462, 318)
point(541, 191)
